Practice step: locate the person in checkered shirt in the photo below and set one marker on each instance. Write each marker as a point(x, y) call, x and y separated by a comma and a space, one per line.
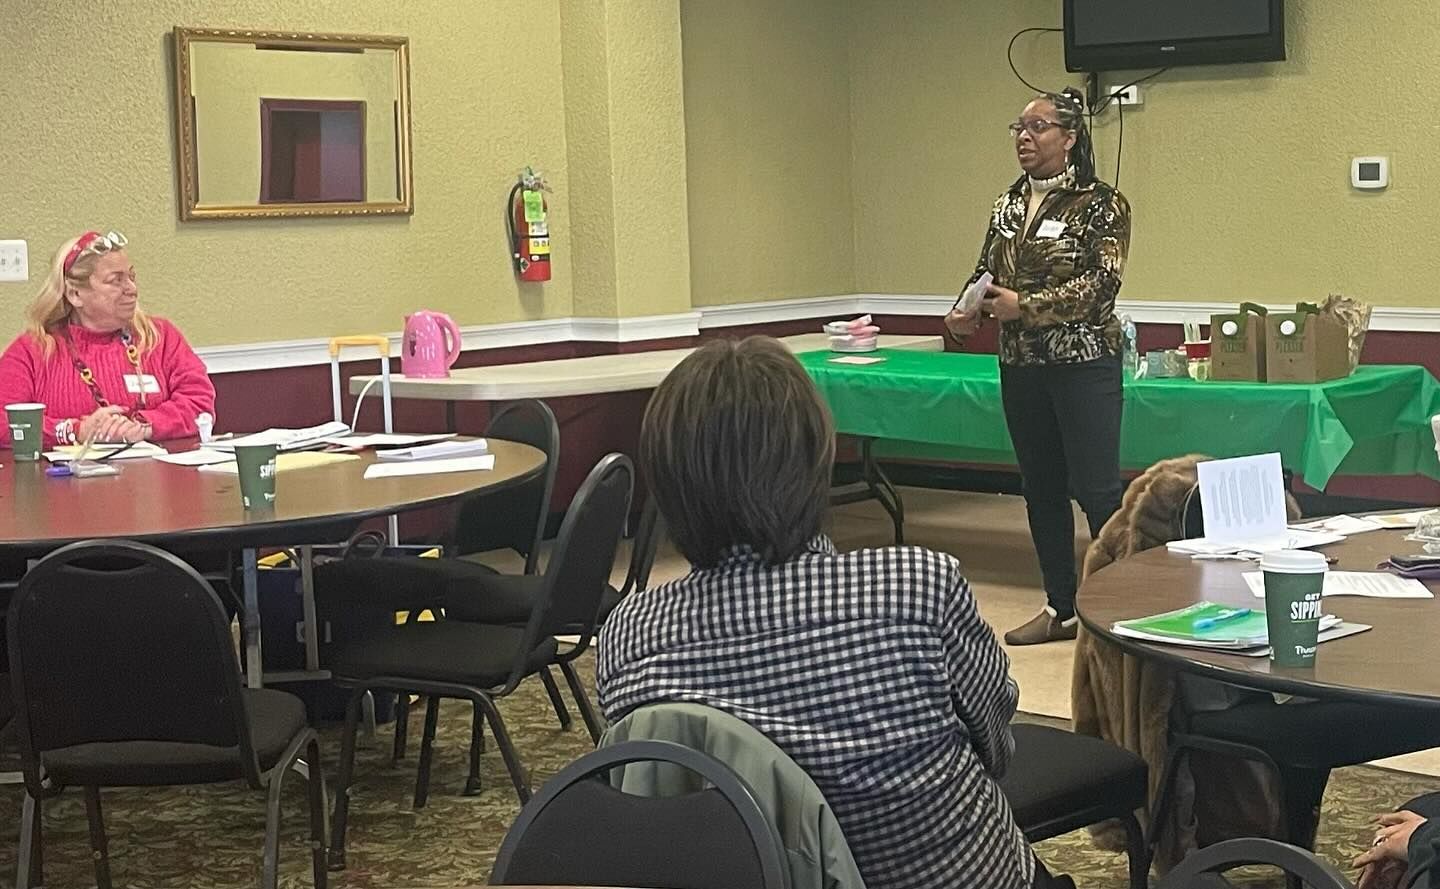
point(872, 669)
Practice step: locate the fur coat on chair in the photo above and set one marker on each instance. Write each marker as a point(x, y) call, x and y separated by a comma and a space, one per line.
point(1126, 700)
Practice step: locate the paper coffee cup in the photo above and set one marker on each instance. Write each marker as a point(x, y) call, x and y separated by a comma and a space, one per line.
point(1294, 584)
point(256, 464)
point(27, 427)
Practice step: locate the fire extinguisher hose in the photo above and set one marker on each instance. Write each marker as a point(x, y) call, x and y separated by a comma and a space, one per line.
point(515, 256)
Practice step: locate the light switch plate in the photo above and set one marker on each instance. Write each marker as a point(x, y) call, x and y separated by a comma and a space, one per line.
point(14, 261)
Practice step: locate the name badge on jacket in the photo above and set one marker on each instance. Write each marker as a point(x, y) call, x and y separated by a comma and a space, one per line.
point(1050, 228)
point(136, 383)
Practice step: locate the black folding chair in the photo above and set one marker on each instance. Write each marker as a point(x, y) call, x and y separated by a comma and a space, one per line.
point(1059, 781)
point(515, 517)
point(482, 662)
point(478, 594)
point(125, 675)
point(1203, 868)
point(717, 838)
point(512, 518)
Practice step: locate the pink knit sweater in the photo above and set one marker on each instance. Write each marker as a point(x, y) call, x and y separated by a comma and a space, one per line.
point(184, 393)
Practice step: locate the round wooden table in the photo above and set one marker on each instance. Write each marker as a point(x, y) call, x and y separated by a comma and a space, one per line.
point(181, 505)
point(183, 508)
point(1393, 662)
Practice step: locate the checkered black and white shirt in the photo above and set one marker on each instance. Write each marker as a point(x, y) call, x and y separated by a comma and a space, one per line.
point(873, 671)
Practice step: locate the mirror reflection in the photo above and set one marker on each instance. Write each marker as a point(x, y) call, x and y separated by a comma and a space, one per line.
point(279, 125)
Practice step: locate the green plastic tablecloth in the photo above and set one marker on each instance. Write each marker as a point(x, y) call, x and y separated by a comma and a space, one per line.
point(946, 405)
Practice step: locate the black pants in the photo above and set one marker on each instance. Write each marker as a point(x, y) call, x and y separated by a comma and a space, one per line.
point(1064, 421)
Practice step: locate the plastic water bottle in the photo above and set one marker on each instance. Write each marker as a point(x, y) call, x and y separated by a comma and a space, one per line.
point(205, 425)
point(1129, 349)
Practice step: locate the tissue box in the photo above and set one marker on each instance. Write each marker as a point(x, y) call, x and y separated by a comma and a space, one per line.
point(1306, 346)
point(1237, 345)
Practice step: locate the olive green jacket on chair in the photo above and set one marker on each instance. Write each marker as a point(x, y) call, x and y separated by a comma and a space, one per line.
point(816, 851)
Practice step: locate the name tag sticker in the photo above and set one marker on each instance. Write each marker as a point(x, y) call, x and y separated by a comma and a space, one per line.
point(1050, 228)
point(141, 383)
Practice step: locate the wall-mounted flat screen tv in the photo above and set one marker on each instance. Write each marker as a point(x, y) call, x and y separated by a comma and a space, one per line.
point(1110, 35)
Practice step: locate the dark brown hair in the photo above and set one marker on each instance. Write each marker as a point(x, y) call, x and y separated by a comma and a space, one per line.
point(738, 447)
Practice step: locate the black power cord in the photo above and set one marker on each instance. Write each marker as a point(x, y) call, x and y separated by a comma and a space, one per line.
point(1114, 97)
point(1010, 53)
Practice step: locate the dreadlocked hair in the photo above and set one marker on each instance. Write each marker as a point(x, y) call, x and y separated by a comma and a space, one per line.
point(1070, 112)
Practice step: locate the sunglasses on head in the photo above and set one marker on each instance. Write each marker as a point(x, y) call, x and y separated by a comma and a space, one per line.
point(93, 243)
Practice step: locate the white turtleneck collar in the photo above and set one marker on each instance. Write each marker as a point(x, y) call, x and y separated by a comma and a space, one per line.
point(1041, 188)
point(1064, 177)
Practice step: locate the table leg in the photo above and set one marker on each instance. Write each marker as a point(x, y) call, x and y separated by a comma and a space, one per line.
point(883, 489)
point(450, 422)
point(307, 600)
point(251, 620)
point(874, 484)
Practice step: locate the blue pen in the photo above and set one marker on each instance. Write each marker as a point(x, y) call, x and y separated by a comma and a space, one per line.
point(1206, 623)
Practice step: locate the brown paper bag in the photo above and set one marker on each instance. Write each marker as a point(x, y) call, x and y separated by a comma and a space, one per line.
point(1306, 346)
point(1237, 344)
point(1355, 315)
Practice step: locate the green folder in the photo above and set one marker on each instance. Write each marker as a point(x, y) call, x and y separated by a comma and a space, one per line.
point(1244, 631)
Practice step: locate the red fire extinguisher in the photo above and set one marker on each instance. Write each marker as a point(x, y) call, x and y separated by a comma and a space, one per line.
point(525, 211)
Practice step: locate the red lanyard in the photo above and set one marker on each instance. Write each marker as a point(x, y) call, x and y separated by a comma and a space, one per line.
point(132, 352)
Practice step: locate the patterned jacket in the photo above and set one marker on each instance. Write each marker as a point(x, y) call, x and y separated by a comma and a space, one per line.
point(1066, 268)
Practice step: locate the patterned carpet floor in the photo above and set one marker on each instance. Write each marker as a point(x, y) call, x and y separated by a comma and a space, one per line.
point(209, 837)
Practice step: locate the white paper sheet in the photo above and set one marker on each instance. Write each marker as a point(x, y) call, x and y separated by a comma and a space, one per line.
point(287, 461)
point(1242, 498)
point(1341, 524)
point(286, 439)
point(1370, 584)
point(856, 359)
point(440, 450)
point(974, 295)
point(69, 452)
point(1398, 520)
point(1291, 539)
point(198, 457)
point(387, 439)
point(430, 467)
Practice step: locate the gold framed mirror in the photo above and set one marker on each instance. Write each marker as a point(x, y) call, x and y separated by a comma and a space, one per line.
point(276, 123)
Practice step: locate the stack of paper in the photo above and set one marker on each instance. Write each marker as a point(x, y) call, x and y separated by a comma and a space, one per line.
point(439, 451)
point(387, 439)
point(286, 439)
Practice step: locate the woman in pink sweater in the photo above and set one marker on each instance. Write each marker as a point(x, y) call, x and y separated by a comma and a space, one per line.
point(102, 367)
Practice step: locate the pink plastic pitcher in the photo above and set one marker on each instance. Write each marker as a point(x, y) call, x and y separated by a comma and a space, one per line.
point(424, 351)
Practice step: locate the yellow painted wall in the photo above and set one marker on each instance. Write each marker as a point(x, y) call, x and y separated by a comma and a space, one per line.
point(625, 124)
point(767, 128)
point(1239, 175)
point(228, 81)
point(88, 141)
point(648, 138)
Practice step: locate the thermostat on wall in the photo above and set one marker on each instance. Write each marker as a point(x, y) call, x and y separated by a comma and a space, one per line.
point(1370, 172)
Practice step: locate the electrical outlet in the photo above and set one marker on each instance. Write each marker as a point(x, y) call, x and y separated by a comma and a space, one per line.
point(14, 262)
point(1121, 94)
